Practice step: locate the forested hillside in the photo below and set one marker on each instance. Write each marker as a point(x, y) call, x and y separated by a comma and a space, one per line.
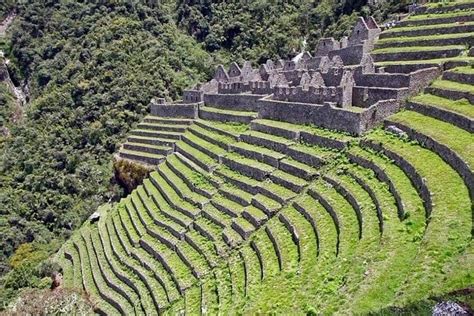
point(92, 68)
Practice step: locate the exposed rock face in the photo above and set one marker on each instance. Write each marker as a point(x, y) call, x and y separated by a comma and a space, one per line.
point(449, 308)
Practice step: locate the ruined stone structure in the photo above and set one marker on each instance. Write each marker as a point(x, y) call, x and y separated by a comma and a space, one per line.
point(336, 87)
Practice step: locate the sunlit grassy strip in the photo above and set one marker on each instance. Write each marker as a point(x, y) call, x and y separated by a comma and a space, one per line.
point(258, 149)
point(76, 265)
point(268, 254)
point(144, 256)
point(449, 229)
point(447, 4)
point(212, 213)
point(233, 128)
point(392, 258)
point(224, 289)
point(154, 214)
point(287, 247)
point(198, 261)
point(167, 213)
point(408, 194)
point(321, 152)
point(236, 191)
point(246, 161)
point(197, 154)
point(463, 107)
point(452, 85)
point(235, 208)
point(206, 245)
point(348, 224)
point(176, 201)
point(289, 177)
point(180, 185)
point(111, 274)
point(457, 139)
point(426, 27)
point(370, 221)
point(237, 176)
point(214, 231)
point(315, 281)
point(99, 278)
point(403, 39)
point(214, 149)
point(427, 61)
point(131, 231)
point(469, 70)
point(87, 278)
point(117, 257)
point(434, 16)
point(198, 180)
point(192, 301)
point(158, 283)
point(299, 165)
point(179, 270)
point(222, 139)
point(253, 271)
point(417, 49)
point(238, 279)
point(269, 137)
point(307, 128)
point(209, 298)
point(281, 191)
point(67, 267)
point(141, 153)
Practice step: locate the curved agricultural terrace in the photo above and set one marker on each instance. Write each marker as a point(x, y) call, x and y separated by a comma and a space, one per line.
point(251, 215)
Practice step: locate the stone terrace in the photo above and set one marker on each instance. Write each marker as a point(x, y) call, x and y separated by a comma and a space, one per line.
point(243, 207)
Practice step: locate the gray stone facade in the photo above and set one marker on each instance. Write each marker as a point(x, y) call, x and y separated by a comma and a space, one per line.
point(338, 87)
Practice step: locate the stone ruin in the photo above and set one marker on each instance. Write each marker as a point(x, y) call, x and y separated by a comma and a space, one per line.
point(337, 87)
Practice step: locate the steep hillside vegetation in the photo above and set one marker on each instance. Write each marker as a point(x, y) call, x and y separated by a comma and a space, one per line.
point(262, 29)
point(92, 69)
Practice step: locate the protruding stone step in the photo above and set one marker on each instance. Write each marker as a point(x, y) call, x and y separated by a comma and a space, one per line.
point(151, 149)
point(163, 127)
point(169, 121)
point(416, 53)
point(151, 140)
point(427, 19)
point(156, 134)
point(434, 40)
point(429, 30)
point(151, 159)
point(215, 114)
point(255, 216)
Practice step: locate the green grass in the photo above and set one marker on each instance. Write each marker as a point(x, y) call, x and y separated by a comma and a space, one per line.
point(403, 39)
point(449, 229)
point(410, 49)
point(459, 140)
point(234, 128)
point(452, 85)
point(141, 154)
point(199, 155)
point(425, 27)
point(259, 149)
point(468, 70)
point(417, 17)
point(250, 162)
point(289, 177)
point(223, 139)
point(447, 4)
point(463, 107)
